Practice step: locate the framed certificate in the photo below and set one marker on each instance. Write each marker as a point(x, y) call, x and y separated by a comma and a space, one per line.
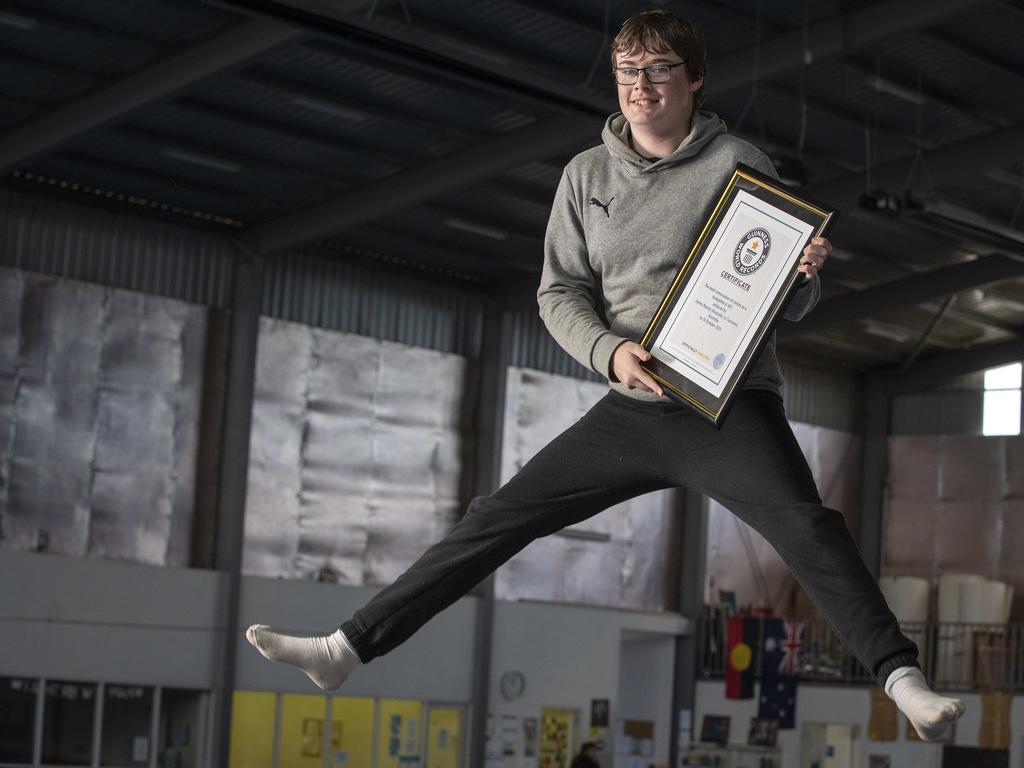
point(731, 289)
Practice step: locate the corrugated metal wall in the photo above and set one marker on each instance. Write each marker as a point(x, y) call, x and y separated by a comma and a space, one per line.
point(952, 408)
point(72, 239)
point(381, 304)
point(948, 412)
point(84, 242)
point(532, 347)
point(825, 398)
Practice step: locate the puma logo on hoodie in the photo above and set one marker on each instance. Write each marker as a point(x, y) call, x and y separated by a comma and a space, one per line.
point(603, 206)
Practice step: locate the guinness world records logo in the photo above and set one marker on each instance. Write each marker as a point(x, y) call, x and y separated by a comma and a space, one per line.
point(752, 251)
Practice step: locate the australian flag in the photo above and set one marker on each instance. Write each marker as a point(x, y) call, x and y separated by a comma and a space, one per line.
point(780, 667)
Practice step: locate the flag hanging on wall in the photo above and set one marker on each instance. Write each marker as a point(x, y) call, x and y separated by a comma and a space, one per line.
point(741, 640)
point(780, 667)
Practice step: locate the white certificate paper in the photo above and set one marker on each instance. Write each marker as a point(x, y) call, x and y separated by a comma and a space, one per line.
point(721, 307)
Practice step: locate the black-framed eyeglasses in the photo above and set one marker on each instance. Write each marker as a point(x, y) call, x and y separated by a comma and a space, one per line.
point(655, 73)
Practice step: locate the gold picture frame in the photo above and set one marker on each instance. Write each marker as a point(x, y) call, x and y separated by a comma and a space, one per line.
point(730, 291)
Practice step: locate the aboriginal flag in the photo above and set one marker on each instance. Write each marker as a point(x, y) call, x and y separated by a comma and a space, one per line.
point(741, 640)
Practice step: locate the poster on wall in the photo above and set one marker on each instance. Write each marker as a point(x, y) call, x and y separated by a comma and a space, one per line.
point(492, 745)
point(510, 736)
point(399, 742)
point(444, 739)
point(599, 721)
point(556, 737)
point(635, 737)
point(529, 737)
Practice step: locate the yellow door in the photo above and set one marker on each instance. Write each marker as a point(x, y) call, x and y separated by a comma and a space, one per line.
point(398, 744)
point(252, 729)
point(557, 737)
point(302, 730)
point(352, 733)
point(444, 737)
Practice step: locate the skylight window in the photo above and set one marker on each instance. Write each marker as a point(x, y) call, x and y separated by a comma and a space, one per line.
point(1001, 411)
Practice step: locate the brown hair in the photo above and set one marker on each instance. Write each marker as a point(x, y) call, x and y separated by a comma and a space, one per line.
point(660, 31)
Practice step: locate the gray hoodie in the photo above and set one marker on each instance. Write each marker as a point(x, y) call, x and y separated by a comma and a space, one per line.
point(621, 225)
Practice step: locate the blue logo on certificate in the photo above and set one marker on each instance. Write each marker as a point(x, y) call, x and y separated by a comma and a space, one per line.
point(719, 361)
point(752, 251)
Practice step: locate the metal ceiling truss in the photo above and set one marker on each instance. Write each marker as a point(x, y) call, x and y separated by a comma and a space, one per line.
point(156, 82)
point(831, 37)
point(951, 161)
point(974, 57)
point(930, 371)
point(404, 41)
point(443, 56)
point(490, 158)
point(867, 72)
point(904, 292)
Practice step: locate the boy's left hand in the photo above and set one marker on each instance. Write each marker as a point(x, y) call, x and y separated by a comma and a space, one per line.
point(814, 256)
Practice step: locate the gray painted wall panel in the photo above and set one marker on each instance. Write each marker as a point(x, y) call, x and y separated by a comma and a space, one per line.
point(137, 624)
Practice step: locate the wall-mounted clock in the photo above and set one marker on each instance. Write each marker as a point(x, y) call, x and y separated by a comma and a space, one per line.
point(512, 685)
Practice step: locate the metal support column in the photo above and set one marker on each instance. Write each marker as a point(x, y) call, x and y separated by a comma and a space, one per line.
point(234, 468)
point(487, 428)
point(692, 567)
point(873, 468)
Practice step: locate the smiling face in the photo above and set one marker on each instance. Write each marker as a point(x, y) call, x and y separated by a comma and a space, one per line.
point(661, 109)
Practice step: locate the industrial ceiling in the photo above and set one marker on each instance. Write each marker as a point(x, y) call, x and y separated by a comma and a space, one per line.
point(433, 134)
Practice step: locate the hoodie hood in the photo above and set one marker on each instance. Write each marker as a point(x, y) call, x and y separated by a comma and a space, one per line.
point(706, 125)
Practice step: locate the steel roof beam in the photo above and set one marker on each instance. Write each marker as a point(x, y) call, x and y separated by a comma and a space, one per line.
point(932, 371)
point(948, 163)
point(904, 292)
point(975, 57)
point(493, 156)
point(487, 159)
point(151, 84)
point(830, 37)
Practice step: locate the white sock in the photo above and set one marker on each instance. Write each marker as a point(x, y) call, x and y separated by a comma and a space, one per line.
point(327, 659)
point(930, 713)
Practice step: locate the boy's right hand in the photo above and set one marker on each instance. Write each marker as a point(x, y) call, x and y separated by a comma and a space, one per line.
point(626, 368)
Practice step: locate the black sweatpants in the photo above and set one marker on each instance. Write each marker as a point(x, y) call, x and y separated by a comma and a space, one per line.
point(623, 448)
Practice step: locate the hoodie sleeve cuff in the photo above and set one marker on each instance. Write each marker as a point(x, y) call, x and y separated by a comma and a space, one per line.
point(804, 299)
point(601, 355)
